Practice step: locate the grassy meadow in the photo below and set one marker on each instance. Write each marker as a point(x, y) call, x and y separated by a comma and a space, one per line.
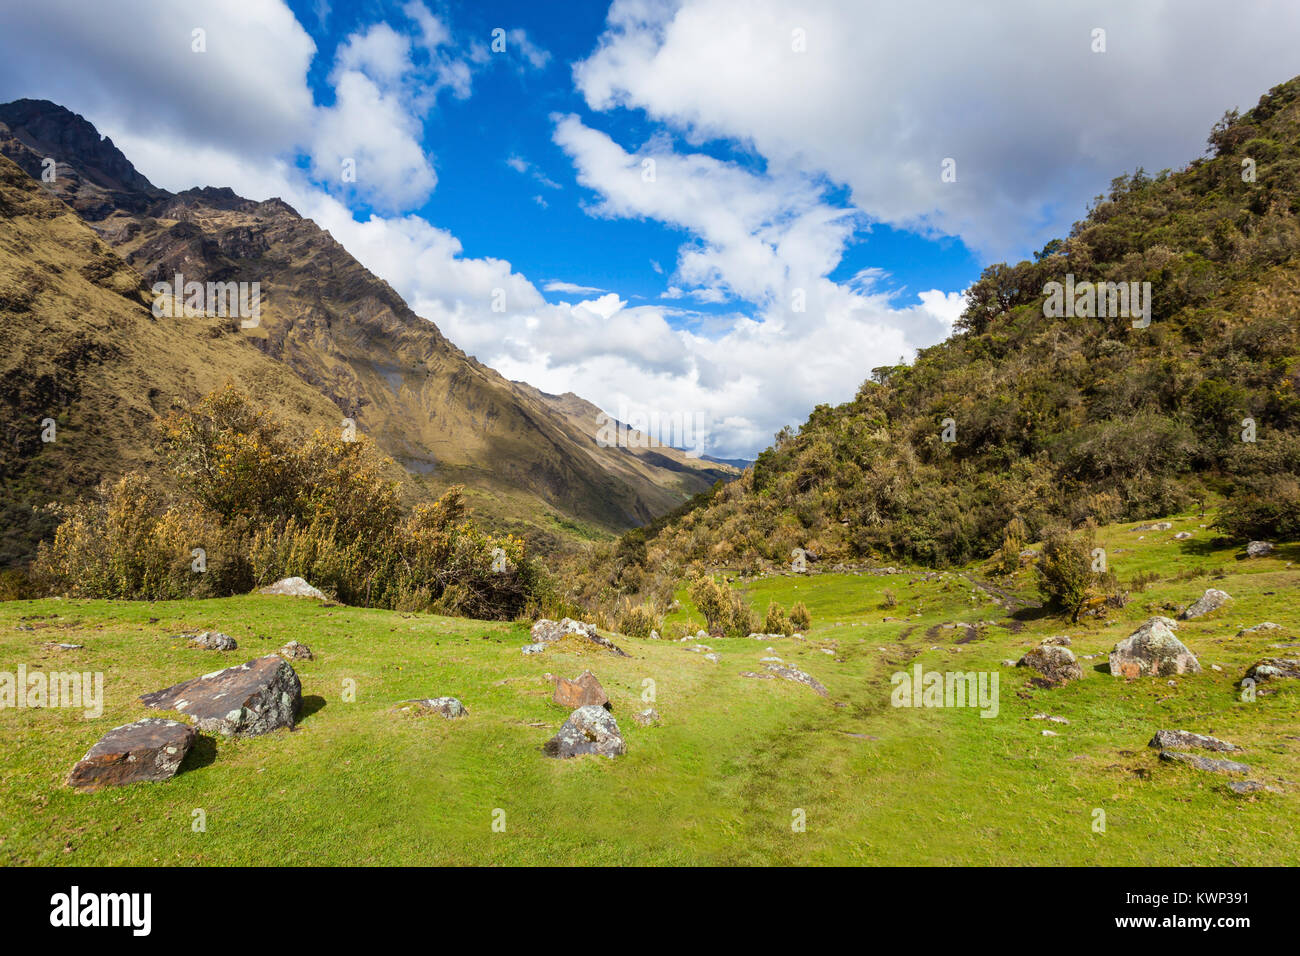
point(734, 763)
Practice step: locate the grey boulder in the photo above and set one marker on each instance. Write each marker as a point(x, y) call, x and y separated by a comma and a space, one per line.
point(1152, 651)
point(246, 700)
point(589, 730)
point(1210, 601)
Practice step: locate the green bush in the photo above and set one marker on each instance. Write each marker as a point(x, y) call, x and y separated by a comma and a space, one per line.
point(800, 617)
point(776, 621)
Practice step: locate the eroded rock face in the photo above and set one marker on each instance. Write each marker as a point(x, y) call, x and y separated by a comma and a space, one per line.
point(214, 641)
point(448, 707)
point(1057, 664)
point(249, 699)
point(1210, 601)
point(1210, 764)
point(589, 730)
point(293, 587)
point(147, 750)
point(1272, 668)
point(1185, 738)
point(1152, 651)
point(293, 651)
point(583, 691)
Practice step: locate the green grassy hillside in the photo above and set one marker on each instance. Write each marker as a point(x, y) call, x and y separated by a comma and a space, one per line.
point(720, 780)
point(1054, 419)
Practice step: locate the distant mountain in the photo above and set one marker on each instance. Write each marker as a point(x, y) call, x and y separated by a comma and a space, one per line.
point(332, 341)
point(740, 464)
point(1145, 362)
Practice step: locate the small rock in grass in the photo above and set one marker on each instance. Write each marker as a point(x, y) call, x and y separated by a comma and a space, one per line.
point(1250, 786)
point(1165, 739)
point(448, 707)
point(1207, 603)
point(214, 641)
point(293, 651)
point(1272, 668)
point(1209, 764)
point(647, 717)
point(1057, 664)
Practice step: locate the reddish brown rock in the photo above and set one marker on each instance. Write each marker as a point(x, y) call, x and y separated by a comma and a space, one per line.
point(582, 692)
point(148, 750)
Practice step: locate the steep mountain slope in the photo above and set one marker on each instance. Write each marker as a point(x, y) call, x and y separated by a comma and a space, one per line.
point(1058, 418)
point(642, 460)
point(444, 416)
point(79, 345)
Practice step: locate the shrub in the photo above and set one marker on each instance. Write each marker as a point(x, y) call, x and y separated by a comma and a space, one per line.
point(636, 620)
point(800, 617)
point(776, 622)
point(724, 610)
point(1007, 560)
point(264, 506)
point(1265, 508)
point(1064, 570)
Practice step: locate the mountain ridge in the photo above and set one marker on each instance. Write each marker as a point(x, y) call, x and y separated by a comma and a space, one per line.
point(444, 416)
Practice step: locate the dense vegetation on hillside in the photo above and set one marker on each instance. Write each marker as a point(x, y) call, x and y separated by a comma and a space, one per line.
point(1056, 421)
point(256, 503)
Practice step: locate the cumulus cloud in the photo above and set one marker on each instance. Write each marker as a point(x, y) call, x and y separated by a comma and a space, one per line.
point(877, 96)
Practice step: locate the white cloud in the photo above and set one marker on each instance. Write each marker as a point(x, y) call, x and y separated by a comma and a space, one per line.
point(883, 93)
point(572, 288)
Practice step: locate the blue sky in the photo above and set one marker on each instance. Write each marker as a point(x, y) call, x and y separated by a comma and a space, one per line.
point(797, 231)
point(494, 209)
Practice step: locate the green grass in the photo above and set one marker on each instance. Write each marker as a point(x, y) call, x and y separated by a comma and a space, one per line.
point(719, 780)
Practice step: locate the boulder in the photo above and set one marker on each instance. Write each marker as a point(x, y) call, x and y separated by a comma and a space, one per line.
point(533, 648)
point(448, 707)
point(1263, 626)
point(1182, 536)
point(293, 587)
point(582, 691)
point(1258, 549)
point(1057, 664)
point(1271, 668)
point(589, 730)
point(148, 750)
point(1165, 739)
point(293, 651)
point(1210, 601)
point(647, 717)
point(214, 641)
point(1059, 640)
point(1152, 651)
point(1210, 764)
point(246, 700)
